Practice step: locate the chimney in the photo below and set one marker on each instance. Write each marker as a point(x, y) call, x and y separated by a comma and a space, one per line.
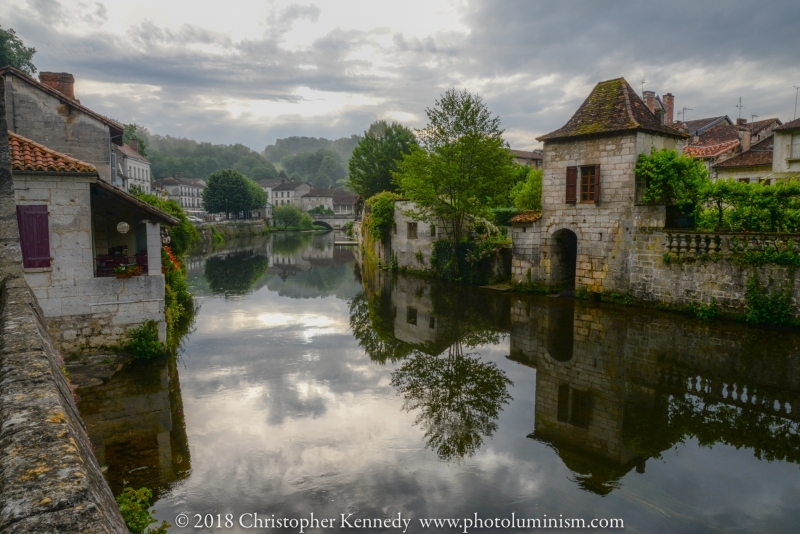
point(695, 138)
point(134, 145)
point(649, 98)
point(740, 121)
point(63, 82)
point(745, 136)
point(669, 106)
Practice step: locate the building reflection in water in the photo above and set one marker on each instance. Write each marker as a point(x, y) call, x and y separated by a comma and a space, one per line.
point(136, 424)
point(628, 385)
point(614, 386)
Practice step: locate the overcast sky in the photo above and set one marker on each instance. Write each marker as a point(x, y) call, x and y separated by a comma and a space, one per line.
point(252, 71)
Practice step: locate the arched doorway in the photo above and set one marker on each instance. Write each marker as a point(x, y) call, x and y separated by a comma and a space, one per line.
point(564, 257)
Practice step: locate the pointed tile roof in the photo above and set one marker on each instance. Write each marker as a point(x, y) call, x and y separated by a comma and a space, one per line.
point(27, 155)
point(612, 107)
point(791, 125)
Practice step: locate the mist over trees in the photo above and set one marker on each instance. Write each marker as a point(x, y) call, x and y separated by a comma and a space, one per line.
point(192, 159)
point(323, 168)
point(295, 145)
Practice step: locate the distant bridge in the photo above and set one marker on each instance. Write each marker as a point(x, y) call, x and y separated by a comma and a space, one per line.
point(333, 222)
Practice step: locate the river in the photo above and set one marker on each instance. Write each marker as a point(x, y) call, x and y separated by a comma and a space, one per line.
point(310, 384)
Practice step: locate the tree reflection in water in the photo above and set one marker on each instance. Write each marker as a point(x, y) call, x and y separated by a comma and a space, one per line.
point(235, 273)
point(458, 396)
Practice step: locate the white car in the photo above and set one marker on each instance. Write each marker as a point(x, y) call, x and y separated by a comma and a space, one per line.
point(195, 220)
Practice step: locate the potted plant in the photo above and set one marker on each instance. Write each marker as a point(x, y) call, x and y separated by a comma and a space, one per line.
point(121, 271)
point(135, 270)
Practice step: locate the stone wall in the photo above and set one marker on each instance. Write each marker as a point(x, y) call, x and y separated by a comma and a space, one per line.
point(232, 229)
point(49, 478)
point(43, 118)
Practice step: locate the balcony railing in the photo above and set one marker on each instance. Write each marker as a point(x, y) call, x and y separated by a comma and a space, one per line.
point(106, 263)
point(692, 244)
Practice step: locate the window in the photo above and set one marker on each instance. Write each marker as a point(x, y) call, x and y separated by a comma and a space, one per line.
point(589, 184)
point(433, 230)
point(573, 406)
point(796, 146)
point(412, 230)
point(34, 235)
point(394, 228)
point(432, 322)
point(411, 316)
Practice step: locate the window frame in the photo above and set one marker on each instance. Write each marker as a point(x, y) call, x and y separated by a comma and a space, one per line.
point(409, 233)
point(589, 192)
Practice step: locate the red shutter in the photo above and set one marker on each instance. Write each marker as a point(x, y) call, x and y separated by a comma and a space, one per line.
point(572, 184)
point(597, 184)
point(34, 236)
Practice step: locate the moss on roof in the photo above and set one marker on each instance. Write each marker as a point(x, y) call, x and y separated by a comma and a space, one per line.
point(612, 107)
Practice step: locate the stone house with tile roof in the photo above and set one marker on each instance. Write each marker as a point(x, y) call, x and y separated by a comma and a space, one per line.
point(47, 112)
point(74, 229)
point(786, 155)
point(133, 166)
point(591, 200)
point(719, 139)
point(749, 166)
point(531, 158)
point(289, 193)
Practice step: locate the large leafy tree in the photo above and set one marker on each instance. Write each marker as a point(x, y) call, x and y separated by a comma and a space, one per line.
point(287, 215)
point(229, 191)
point(463, 166)
point(134, 132)
point(527, 193)
point(376, 156)
point(14, 52)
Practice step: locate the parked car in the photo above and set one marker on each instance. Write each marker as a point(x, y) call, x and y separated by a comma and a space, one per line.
point(195, 220)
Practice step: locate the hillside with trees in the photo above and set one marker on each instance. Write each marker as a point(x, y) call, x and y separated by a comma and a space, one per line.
point(296, 145)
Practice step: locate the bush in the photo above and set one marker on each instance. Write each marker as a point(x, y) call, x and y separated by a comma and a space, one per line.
point(348, 229)
point(381, 214)
point(765, 306)
point(306, 222)
point(142, 341)
point(320, 210)
point(133, 505)
point(287, 215)
point(502, 216)
point(182, 236)
point(527, 194)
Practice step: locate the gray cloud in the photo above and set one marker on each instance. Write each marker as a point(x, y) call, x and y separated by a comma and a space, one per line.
point(533, 63)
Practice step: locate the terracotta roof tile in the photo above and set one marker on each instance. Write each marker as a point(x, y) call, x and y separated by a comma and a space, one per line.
point(526, 217)
point(27, 155)
point(759, 154)
point(757, 126)
point(791, 125)
point(526, 154)
point(707, 151)
point(131, 153)
point(612, 107)
point(702, 124)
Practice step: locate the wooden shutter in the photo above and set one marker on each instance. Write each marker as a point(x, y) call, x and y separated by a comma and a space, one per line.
point(34, 235)
point(572, 185)
point(597, 184)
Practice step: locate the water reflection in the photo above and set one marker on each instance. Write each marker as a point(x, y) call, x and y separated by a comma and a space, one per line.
point(136, 424)
point(614, 388)
point(628, 388)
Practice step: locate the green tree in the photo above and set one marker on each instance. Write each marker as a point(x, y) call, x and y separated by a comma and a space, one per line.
point(527, 193)
point(306, 222)
point(670, 178)
point(229, 191)
point(287, 215)
point(330, 171)
point(262, 172)
point(13, 52)
point(376, 156)
point(463, 167)
point(131, 132)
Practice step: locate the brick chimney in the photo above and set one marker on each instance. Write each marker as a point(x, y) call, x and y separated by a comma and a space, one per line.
point(669, 106)
point(741, 121)
point(649, 98)
point(62, 82)
point(135, 145)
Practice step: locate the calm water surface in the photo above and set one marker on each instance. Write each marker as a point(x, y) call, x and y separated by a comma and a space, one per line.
point(309, 384)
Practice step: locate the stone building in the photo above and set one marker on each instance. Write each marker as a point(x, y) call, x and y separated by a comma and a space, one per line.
point(47, 112)
point(134, 166)
point(339, 201)
point(591, 201)
point(751, 165)
point(289, 193)
point(529, 158)
point(187, 192)
point(786, 155)
point(74, 230)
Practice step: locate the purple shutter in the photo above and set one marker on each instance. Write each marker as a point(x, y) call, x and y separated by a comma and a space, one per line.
point(34, 235)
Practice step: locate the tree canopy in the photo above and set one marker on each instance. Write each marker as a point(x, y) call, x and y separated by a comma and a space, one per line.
point(131, 133)
point(376, 156)
point(527, 193)
point(229, 191)
point(13, 52)
point(296, 145)
point(287, 215)
point(323, 168)
point(463, 167)
point(669, 177)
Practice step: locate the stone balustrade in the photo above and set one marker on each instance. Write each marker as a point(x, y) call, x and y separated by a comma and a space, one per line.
point(696, 244)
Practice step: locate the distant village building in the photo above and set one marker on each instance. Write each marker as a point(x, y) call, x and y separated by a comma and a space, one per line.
point(591, 200)
point(529, 158)
point(134, 167)
point(786, 152)
point(75, 228)
point(47, 112)
point(187, 192)
point(289, 193)
point(339, 201)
